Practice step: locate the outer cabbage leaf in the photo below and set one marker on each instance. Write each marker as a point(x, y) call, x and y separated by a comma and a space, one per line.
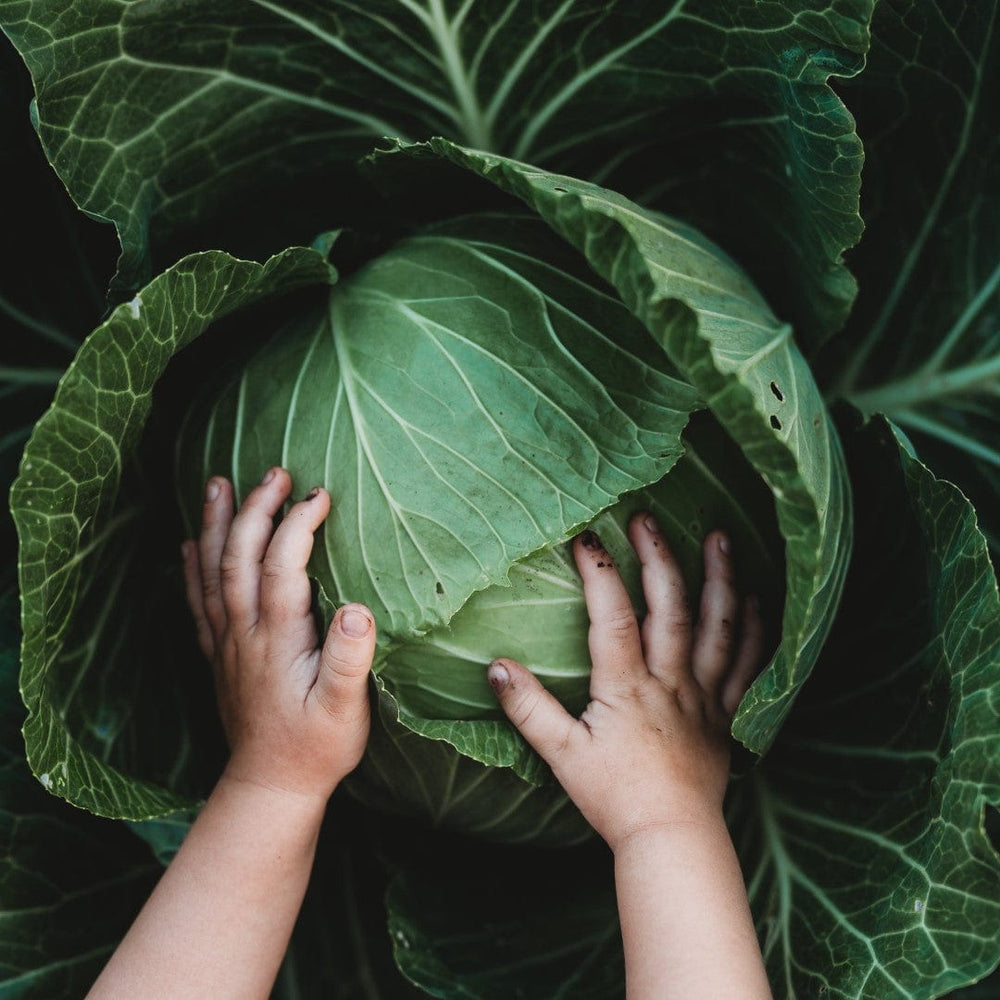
point(162, 115)
point(862, 838)
point(740, 359)
point(70, 884)
point(40, 331)
point(535, 925)
point(82, 529)
point(340, 948)
point(923, 344)
point(861, 833)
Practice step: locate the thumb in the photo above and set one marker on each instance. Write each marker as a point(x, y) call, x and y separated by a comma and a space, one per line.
point(535, 712)
point(342, 682)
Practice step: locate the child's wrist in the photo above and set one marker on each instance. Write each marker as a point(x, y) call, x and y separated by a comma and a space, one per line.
point(273, 796)
point(695, 821)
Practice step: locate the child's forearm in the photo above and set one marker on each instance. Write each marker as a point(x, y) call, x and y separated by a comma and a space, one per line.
point(685, 918)
point(218, 923)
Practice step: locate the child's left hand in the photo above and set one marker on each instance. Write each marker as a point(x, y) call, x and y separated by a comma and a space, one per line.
point(296, 715)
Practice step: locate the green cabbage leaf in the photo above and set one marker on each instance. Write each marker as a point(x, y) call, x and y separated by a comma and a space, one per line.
point(923, 343)
point(171, 117)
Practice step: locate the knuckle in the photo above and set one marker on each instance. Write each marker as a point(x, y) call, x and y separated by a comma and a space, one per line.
point(717, 639)
point(229, 567)
point(618, 624)
point(524, 708)
point(689, 697)
point(273, 570)
point(678, 625)
point(678, 612)
point(332, 701)
point(344, 661)
point(724, 633)
point(632, 692)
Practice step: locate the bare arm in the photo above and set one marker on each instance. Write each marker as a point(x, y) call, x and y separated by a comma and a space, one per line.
point(296, 717)
point(648, 761)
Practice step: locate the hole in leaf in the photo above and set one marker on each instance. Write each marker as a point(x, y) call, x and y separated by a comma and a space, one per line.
point(991, 821)
point(775, 422)
point(777, 392)
point(559, 190)
point(438, 588)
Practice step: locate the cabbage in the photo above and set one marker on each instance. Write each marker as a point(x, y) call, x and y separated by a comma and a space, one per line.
point(471, 398)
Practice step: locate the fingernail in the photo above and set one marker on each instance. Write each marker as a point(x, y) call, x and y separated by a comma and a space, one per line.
point(313, 493)
point(355, 623)
point(651, 526)
point(589, 540)
point(212, 490)
point(498, 676)
point(268, 476)
point(724, 544)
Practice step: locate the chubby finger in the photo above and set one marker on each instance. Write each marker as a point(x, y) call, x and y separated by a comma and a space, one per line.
point(666, 629)
point(196, 598)
point(749, 658)
point(216, 517)
point(615, 647)
point(341, 685)
point(536, 713)
point(249, 535)
point(285, 593)
point(715, 637)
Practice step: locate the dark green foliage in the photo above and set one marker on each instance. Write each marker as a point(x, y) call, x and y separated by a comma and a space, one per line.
point(207, 132)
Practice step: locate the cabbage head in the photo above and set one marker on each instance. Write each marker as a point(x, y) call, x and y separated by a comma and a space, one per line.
point(472, 397)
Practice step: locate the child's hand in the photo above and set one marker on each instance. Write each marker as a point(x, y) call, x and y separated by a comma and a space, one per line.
point(296, 716)
point(651, 749)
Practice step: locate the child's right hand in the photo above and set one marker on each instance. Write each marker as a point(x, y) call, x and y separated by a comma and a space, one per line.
point(651, 750)
point(295, 711)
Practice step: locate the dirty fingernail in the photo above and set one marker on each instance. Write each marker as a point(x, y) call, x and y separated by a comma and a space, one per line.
point(589, 540)
point(313, 493)
point(355, 623)
point(498, 676)
point(212, 490)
